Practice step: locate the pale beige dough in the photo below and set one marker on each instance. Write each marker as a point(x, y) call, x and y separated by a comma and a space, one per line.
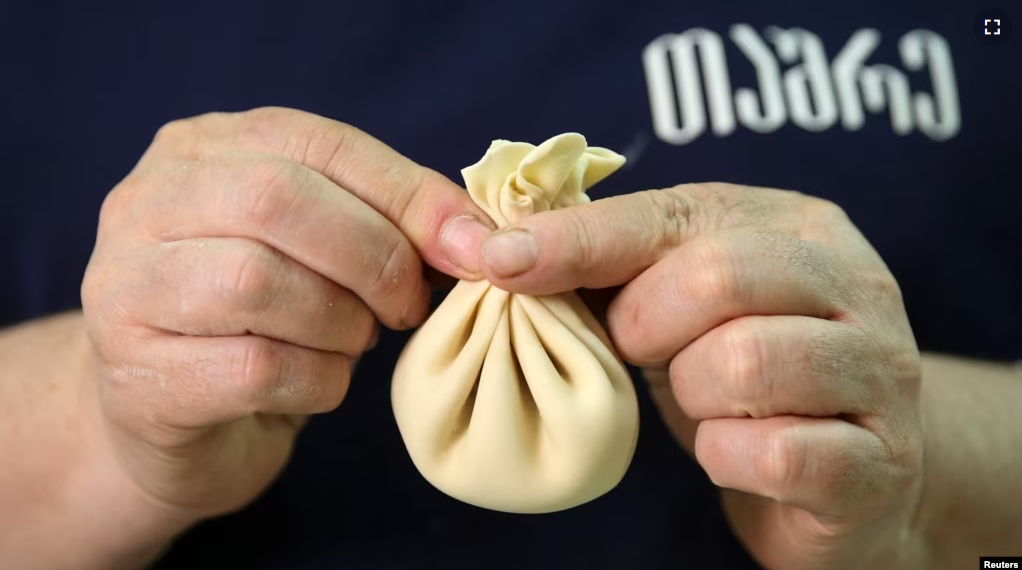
point(513, 402)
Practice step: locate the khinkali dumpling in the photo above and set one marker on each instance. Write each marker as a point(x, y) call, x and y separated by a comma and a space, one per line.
point(513, 402)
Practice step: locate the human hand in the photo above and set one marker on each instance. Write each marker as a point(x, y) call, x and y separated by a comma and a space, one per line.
point(239, 271)
point(776, 345)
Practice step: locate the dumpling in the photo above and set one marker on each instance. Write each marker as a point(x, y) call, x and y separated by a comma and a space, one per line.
point(512, 402)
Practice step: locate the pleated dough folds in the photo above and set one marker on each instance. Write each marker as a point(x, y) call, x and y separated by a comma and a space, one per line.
point(513, 402)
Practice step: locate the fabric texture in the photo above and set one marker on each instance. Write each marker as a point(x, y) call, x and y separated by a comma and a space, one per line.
point(513, 402)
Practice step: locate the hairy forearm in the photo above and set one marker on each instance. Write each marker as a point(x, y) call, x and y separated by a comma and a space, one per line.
point(972, 498)
point(64, 503)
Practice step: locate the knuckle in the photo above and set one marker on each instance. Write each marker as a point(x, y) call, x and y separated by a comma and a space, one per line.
point(717, 278)
point(405, 205)
point(819, 210)
point(250, 282)
point(118, 203)
point(176, 130)
point(389, 277)
point(259, 125)
point(328, 146)
point(275, 191)
point(670, 212)
point(880, 282)
point(256, 368)
point(584, 258)
point(782, 462)
point(322, 144)
point(744, 357)
point(185, 134)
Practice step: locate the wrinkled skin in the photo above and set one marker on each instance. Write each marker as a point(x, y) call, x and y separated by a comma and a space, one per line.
point(776, 346)
point(240, 270)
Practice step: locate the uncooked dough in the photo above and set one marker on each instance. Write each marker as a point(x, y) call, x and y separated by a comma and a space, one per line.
point(512, 402)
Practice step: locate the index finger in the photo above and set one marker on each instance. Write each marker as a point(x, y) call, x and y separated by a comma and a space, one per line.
point(435, 214)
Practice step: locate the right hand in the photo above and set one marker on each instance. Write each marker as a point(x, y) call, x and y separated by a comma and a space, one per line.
point(239, 271)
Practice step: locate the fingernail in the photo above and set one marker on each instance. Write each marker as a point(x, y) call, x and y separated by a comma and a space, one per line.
point(460, 241)
point(511, 252)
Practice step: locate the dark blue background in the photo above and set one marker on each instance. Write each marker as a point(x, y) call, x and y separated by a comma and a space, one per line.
point(86, 85)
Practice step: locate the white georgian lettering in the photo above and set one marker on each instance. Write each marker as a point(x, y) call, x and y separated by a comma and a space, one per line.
point(895, 97)
point(883, 87)
point(678, 107)
point(772, 115)
point(690, 90)
point(810, 95)
point(938, 115)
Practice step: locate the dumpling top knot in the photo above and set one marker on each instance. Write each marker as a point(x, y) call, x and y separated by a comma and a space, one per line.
point(514, 179)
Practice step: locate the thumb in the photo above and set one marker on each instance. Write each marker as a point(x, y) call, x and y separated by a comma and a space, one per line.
point(602, 244)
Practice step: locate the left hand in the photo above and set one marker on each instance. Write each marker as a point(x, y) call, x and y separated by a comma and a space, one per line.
point(776, 345)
